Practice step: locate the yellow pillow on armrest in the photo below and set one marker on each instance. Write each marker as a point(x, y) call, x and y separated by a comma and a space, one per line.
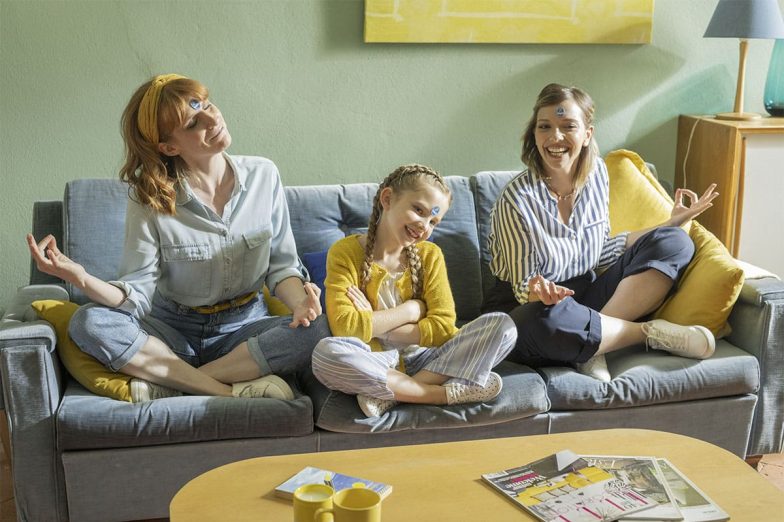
point(712, 281)
point(84, 368)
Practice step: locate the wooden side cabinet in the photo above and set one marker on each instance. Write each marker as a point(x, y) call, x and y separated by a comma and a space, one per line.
point(746, 161)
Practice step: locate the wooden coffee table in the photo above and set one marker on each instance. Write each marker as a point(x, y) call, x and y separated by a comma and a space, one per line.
point(442, 481)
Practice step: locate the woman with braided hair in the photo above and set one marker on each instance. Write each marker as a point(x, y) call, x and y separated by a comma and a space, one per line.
point(204, 231)
point(390, 305)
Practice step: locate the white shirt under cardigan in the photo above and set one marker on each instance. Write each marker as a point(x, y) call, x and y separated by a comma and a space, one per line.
point(527, 237)
point(197, 258)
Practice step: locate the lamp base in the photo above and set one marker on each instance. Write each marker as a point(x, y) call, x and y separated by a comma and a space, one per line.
point(738, 116)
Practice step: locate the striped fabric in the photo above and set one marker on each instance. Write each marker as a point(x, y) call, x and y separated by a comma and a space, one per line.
point(527, 238)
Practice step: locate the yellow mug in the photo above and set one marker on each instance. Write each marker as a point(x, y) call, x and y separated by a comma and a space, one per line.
point(310, 498)
point(353, 505)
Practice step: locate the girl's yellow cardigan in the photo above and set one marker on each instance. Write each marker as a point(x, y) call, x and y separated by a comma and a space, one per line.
point(344, 267)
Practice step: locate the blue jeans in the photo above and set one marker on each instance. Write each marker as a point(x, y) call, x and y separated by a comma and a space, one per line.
point(113, 337)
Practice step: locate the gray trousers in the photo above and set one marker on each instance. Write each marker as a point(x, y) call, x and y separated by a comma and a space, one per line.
point(114, 337)
point(347, 364)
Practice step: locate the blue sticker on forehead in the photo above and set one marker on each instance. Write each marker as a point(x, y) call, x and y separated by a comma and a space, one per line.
point(435, 211)
point(560, 112)
point(195, 104)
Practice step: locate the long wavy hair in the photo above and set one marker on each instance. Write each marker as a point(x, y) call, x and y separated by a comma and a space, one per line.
point(153, 177)
point(405, 178)
point(553, 94)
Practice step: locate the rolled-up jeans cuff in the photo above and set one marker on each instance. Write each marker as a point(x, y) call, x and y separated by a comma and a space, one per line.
point(593, 338)
point(128, 354)
point(255, 351)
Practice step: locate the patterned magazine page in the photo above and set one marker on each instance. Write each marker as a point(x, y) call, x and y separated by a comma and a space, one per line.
point(338, 481)
point(645, 477)
point(564, 487)
point(693, 503)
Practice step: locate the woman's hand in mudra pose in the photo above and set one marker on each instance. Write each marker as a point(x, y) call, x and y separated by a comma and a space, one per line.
point(681, 213)
point(549, 293)
point(49, 260)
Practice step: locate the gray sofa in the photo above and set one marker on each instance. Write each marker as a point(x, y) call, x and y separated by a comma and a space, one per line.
point(78, 456)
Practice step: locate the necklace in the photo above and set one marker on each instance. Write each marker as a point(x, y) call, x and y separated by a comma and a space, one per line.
point(559, 197)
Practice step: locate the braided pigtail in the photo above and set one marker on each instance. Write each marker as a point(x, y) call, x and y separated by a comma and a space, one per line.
point(415, 264)
point(370, 241)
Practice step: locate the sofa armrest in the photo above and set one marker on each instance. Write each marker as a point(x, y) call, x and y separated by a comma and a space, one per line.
point(32, 384)
point(757, 322)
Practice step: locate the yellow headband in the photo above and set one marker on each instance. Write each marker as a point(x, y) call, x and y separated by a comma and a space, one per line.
point(148, 108)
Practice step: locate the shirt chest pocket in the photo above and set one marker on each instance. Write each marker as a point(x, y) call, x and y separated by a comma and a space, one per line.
point(187, 269)
point(256, 249)
point(591, 225)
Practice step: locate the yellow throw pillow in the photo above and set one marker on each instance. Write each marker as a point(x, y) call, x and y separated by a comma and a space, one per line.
point(712, 281)
point(87, 370)
point(709, 287)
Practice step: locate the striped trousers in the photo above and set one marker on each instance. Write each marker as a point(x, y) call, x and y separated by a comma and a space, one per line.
point(347, 364)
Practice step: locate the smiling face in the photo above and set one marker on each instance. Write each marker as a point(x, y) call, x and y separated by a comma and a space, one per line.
point(410, 216)
point(202, 133)
point(561, 135)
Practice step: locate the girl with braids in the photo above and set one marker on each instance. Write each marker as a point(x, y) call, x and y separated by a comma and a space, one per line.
point(204, 232)
point(389, 301)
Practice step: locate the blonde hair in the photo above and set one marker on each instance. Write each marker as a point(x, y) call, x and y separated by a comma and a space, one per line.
point(151, 175)
point(554, 94)
point(405, 178)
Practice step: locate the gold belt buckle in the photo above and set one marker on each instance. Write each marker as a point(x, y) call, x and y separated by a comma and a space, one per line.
point(225, 305)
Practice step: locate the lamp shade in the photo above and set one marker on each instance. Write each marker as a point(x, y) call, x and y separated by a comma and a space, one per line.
point(746, 19)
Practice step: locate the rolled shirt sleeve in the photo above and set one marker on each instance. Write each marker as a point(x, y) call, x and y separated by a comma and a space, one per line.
point(284, 261)
point(140, 264)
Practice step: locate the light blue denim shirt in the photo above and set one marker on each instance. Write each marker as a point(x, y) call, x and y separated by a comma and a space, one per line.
point(197, 258)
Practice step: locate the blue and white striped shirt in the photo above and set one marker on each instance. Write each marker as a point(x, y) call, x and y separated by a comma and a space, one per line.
point(527, 238)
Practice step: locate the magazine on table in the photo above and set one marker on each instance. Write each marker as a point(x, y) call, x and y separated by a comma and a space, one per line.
point(564, 486)
point(645, 477)
point(693, 503)
point(337, 481)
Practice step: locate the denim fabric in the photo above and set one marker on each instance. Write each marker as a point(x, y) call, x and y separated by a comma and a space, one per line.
point(113, 336)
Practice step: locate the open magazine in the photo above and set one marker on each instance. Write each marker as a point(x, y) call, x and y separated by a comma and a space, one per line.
point(693, 503)
point(645, 477)
point(564, 486)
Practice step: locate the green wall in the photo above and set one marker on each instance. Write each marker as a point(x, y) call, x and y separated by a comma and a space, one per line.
point(297, 84)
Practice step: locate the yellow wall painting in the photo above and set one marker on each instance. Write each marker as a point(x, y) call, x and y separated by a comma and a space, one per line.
point(509, 21)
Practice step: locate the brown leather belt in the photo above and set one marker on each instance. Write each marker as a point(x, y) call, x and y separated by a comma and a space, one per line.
point(225, 305)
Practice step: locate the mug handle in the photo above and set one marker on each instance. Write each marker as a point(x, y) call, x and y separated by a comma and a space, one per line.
point(323, 511)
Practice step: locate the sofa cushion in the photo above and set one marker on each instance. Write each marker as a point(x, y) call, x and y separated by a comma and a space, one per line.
point(94, 227)
point(487, 186)
point(316, 264)
point(641, 378)
point(86, 421)
point(523, 395)
point(345, 209)
point(712, 282)
point(84, 368)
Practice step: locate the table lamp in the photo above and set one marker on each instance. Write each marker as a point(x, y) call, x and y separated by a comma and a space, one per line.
point(744, 19)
